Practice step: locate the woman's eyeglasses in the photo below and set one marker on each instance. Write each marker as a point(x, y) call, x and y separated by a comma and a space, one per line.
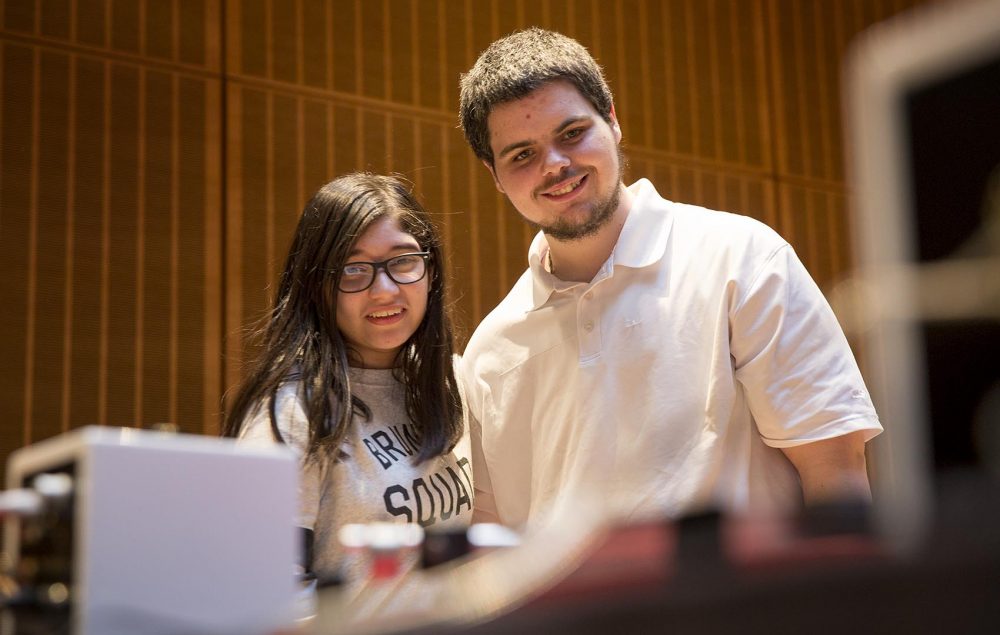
point(402, 269)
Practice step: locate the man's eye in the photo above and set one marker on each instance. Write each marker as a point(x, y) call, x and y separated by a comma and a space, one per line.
point(575, 132)
point(521, 156)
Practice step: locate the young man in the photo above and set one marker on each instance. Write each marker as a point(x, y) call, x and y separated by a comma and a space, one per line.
point(660, 355)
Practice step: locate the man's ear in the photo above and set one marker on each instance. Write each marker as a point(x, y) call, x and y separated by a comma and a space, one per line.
point(493, 173)
point(615, 128)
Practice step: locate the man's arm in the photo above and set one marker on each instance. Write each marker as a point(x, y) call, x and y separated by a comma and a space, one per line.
point(485, 510)
point(485, 507)
point(832, 470)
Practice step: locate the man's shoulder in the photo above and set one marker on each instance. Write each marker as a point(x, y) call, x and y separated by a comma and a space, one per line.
point(507, 317)
point(724, 224)
point(511, 308)
point(716, 236)
point(702, 225)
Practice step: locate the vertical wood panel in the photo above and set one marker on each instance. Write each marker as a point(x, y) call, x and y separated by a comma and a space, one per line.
point(283, 33)
point(453, 48)
point(345, 120)
point(195, 261)
point(345, 32)
point(158, 28)
point(19, 16)
point(728, 87)
point(19, 125)
point(139, 341)
point(196, 38)
point(464, 224)
point(105, 251)
point(286, 201)
point(315, 159)
point(65, 364)
point(404, 146)
point(251, 36)
point(203, 206)
point(88, 227)
point(314, 42)
point(430, 57)
point(235, 175)
point(249, 246)
point(157, 235)
point(125, 26)
point(123, 194)
point(54, 18)
point(629, 70)
point(90, 21)
point(656, 104)
point(49, 245)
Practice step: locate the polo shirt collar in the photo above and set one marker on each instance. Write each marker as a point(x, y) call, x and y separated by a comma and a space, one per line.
point(640, 244)
point(644, 236)
point(543, 283)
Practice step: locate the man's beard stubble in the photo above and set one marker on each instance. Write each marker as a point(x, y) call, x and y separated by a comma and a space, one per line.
point(601, 213)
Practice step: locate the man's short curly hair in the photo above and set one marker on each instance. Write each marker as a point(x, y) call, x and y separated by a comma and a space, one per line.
point(516, 65)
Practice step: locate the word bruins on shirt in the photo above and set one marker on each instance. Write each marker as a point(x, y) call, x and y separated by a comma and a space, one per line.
point(432, 498)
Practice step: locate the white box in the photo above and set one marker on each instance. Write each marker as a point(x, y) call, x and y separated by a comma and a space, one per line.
point(172, 533)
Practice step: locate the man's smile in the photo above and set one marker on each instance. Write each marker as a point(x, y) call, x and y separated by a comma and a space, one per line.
point(565, 187)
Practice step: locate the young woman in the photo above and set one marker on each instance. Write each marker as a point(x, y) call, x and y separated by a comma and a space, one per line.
point(355, 371)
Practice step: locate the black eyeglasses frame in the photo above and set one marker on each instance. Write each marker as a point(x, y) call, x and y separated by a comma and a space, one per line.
point(383, 265)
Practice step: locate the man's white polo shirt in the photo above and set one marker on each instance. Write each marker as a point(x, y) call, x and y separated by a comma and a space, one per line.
point(668, 382)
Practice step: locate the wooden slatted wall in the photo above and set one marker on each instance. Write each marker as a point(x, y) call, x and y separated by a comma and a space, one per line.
point(156, 155)
point(110, 215)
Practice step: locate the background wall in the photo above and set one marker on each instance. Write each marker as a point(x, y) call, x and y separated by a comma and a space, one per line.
point(156, 155)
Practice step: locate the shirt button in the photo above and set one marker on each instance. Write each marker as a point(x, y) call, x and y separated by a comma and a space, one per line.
point(588, 295)
point(588, 326)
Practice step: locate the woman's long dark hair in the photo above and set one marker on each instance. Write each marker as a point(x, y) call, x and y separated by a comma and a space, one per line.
point(300, 339)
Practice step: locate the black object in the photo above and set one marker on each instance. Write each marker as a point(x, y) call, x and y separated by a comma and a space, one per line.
point(442, 546)
point(699, 545)
point(836, 518)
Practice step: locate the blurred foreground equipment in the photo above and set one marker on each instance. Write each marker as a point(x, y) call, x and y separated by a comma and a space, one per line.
point(114, 531)
point(923, 106)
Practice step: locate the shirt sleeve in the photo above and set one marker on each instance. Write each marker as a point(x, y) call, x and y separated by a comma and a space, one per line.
point(294, 428)
point(801, 379)
point(485, 504)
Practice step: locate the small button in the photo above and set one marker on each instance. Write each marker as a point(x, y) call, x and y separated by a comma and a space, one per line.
point(588, 326)
point(588, 295)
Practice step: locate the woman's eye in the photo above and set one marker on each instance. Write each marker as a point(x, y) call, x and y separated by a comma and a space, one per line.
point(355, 270)
point(404, 262)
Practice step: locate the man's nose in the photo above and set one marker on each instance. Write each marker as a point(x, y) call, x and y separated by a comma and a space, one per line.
point(555, 160)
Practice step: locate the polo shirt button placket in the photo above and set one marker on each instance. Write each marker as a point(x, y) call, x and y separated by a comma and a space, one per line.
point(589, 331)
